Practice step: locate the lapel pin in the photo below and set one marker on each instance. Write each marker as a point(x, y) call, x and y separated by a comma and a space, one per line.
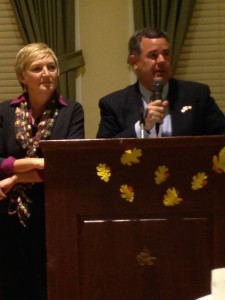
point(185, 108)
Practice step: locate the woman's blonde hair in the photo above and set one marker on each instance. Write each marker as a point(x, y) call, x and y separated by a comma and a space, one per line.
point(30, 53)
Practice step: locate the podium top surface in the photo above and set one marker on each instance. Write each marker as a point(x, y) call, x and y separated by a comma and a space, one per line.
point(132, 142)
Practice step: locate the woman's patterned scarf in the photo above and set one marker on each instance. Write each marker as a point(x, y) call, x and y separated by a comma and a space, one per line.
point(19, 201)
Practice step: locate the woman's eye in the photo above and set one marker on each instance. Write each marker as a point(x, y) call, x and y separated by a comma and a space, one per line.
point(52, 68)
point(166, 53)
point(36, 69)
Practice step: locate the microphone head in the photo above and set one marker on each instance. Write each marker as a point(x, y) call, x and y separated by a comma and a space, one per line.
point(157, 86)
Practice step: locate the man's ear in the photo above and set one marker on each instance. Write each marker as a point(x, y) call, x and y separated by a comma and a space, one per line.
point(133, 61)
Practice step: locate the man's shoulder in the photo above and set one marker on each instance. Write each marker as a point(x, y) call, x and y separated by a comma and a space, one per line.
point(122, 93)
point(187, 83)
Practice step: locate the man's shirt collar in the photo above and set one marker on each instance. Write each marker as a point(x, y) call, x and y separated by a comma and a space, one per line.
point(146, 94)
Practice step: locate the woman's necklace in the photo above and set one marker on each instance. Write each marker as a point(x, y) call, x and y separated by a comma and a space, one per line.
point(19, 202)
point(23, 127)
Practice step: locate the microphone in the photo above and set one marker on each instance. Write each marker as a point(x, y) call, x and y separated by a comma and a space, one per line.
point(157, 88)
point(142, 122)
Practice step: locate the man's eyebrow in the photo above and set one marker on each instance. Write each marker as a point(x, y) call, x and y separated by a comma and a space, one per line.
point(157, 51)
point(153, 51)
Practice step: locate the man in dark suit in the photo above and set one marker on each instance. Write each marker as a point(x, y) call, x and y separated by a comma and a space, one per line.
point(180, 108)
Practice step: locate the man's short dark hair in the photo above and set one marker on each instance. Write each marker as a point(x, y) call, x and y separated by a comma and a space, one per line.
point(135, 40)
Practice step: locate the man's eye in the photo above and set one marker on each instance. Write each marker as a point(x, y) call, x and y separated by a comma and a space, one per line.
point(153, 55)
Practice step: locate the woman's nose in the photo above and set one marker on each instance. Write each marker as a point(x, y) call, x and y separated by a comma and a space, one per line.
point(45, 70)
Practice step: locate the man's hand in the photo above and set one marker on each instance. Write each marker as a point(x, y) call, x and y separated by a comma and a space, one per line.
point(155, 113)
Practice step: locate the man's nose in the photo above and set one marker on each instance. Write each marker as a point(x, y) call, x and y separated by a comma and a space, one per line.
point(160, 58)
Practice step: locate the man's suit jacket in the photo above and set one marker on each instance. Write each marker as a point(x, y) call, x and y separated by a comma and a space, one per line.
point(193, 111)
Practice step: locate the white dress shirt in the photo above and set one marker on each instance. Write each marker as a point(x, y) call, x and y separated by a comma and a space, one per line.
point(165, 129)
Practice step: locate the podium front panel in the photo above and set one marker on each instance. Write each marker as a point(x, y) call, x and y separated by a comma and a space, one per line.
point(134, 218)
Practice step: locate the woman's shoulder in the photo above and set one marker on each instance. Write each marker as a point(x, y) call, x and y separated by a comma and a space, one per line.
point(69, 102)
point(70, 105)
point(5, 103)
point(73, 102)
point(6, 106)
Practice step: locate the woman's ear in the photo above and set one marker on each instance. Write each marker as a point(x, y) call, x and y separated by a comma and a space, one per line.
point(21, 78)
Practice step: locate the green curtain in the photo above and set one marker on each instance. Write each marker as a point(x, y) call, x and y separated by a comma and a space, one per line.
point(171, 16)
point(52, 22)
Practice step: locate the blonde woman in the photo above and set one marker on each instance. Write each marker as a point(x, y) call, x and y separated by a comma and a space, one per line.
point(39, 113)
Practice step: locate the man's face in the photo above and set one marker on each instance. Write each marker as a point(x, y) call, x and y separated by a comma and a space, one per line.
point(154, 61)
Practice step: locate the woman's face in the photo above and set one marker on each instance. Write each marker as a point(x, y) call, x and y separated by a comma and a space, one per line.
point(41, 76)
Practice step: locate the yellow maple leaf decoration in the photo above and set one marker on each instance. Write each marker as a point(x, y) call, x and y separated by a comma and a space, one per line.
point(144, 258)
point(199, 181)
point(171, 197)
point(104, 172)
point(219, 162)
point(130, 157)
point(161, 174)
point(127, 192)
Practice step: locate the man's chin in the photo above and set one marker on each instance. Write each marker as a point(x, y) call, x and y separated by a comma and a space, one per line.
point(161, 77)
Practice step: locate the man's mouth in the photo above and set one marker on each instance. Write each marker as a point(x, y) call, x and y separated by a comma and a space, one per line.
point(160, 72)
point(46, 82)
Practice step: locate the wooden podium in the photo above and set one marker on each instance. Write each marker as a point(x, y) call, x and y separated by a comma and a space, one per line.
point(135, 219)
